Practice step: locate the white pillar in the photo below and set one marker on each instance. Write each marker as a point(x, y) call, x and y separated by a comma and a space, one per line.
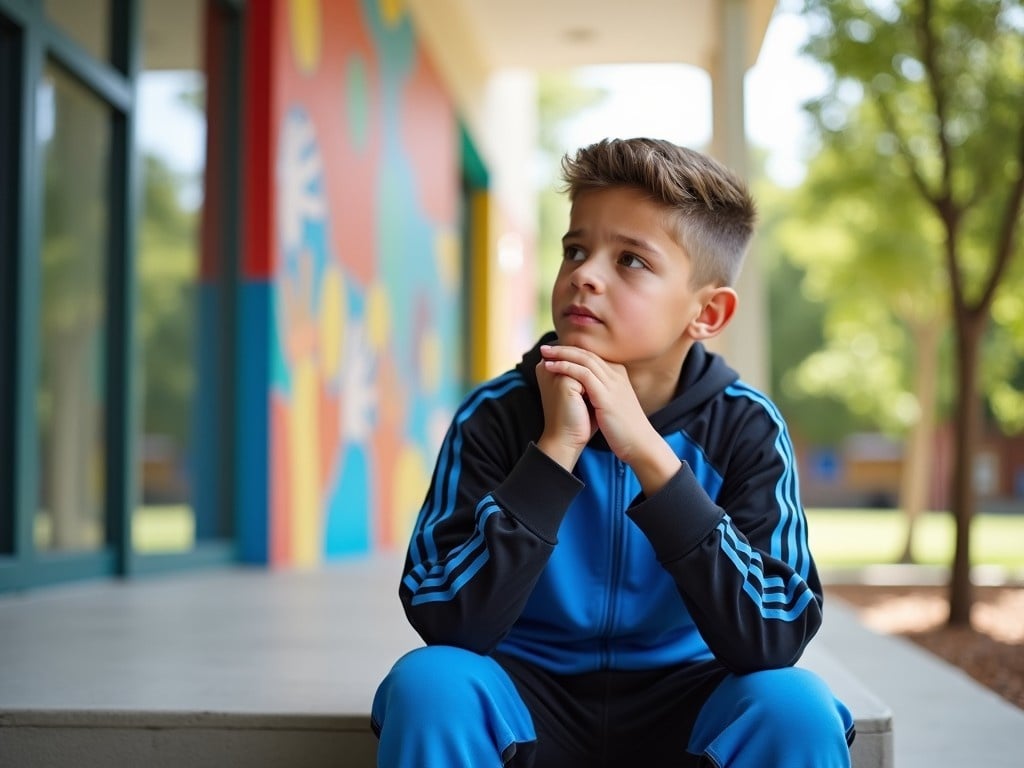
point(745, 341)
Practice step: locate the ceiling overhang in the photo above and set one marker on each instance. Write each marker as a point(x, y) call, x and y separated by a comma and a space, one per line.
point(563, 34)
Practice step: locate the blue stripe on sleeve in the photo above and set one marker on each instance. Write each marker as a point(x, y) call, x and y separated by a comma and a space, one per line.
point(775, 597)
point(789, 538)
point(474, 551)
point(441, 504)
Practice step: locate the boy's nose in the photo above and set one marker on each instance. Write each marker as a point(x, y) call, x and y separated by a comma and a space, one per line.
point(587, 275)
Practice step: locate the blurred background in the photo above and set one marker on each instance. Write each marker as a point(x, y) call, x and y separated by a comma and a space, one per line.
point(256, 252)
point(859, 330)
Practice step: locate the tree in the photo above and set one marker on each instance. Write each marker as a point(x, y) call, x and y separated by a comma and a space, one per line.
point(882, 282)
point(945, 81)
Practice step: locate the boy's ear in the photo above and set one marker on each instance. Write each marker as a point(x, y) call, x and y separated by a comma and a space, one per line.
point(719, 307)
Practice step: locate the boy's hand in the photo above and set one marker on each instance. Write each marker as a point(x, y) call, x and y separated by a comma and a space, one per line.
point(616, 411)
point(568, 419)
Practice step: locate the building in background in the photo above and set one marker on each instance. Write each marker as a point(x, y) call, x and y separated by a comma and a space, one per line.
point(255, 251)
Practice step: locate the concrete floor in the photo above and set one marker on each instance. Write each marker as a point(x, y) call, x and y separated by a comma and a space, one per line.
point(254, 667)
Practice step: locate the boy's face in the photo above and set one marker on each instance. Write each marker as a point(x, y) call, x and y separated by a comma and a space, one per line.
point(623, 290)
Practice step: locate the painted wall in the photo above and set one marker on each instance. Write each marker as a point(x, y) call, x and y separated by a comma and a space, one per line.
point(355, 274)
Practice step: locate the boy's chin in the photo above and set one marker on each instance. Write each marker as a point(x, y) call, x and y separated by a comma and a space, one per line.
point(571, 338)
point(582, 341)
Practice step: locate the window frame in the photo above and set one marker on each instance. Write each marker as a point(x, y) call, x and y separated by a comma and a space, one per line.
point(27, 41)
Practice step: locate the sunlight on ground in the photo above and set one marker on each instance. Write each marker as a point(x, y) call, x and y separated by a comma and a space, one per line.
point(1003, 620)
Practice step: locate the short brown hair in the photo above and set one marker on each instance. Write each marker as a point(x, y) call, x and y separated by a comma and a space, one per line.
point(716, 213)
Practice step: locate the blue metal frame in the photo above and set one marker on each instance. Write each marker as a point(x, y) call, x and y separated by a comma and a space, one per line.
point(121, 481)
point(10, 141)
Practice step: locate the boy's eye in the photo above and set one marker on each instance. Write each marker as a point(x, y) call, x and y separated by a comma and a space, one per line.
point(632, 261)
point(573, 253)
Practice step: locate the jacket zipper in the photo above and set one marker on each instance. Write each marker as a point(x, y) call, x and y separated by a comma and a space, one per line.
point(617, 556)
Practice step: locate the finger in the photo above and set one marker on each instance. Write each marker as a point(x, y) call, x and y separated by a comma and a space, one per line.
point(576, 354)
point(567, 383)
point(578, 372)
point(581, 357)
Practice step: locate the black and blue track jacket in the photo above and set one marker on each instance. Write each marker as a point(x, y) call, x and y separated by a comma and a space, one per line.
point(579, 572)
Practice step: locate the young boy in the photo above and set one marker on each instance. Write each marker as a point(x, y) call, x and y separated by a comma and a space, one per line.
point(611, 564)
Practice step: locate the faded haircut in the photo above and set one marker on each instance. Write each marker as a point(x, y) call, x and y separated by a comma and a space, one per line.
point(714, 211)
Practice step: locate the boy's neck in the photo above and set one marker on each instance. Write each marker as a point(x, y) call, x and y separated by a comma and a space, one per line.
point(654, 393)
point(656, 386)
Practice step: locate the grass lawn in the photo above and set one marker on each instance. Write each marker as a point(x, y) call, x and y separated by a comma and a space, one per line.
point(853, 537)
point(839, 537)
point(164, 529)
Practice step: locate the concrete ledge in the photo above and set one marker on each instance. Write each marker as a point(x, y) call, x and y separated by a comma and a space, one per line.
point(260, 668)
point(193, 745)
point(182, 720)
point(873, 746)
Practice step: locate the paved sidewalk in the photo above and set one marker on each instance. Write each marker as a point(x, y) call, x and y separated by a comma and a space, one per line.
point(941, 717)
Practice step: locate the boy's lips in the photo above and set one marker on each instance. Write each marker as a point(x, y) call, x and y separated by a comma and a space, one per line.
point(580, 314)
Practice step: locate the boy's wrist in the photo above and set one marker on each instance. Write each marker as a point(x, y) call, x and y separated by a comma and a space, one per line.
point(556, 450)
point(537, 492)
point(655, 467)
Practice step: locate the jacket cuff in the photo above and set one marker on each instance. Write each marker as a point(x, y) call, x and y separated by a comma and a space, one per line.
point(538, 492)
point(678, 517)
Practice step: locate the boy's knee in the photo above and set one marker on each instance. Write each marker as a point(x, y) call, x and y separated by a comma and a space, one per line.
point(786, 715)
point(433, 676)
point(425, 666)
point(440, 682)
point(441, 705)
point(795, 699)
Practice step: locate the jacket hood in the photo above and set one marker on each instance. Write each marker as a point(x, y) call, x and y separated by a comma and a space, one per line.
point(703, 375)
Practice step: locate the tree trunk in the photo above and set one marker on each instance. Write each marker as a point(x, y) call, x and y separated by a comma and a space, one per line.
point(919, 451)
point(970, 328)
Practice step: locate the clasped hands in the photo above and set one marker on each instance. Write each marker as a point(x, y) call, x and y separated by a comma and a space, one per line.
point(582, 393)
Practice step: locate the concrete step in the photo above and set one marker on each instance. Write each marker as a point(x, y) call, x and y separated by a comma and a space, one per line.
point(169, 739)
point(258, 668)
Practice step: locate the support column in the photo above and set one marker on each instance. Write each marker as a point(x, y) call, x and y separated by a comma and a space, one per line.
point(745, 342)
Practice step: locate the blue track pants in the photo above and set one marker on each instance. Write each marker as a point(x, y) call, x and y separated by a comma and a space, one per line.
point(444, 707)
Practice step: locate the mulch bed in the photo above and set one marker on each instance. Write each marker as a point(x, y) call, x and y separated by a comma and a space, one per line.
point(991, 650)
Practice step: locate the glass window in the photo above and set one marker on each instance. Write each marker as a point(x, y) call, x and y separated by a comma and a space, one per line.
point(88, 23)
point(74, 129)
point(176, 320)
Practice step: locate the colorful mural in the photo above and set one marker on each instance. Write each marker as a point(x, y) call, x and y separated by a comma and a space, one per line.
point(366, 277)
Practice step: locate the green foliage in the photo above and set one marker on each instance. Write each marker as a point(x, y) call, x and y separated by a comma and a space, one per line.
point(919, 128)
point(796, 328)
point(560, 97)
point(1004, 353)
point(167, 303)
point(934, 92)
point(869, 256)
